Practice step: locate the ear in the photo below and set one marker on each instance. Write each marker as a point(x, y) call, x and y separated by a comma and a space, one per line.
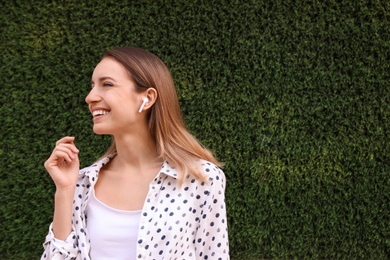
point(151, 94)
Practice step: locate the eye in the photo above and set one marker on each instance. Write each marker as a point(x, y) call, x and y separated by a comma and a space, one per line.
point(107, 84)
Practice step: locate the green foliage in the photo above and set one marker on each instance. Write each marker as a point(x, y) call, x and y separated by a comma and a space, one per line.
point(292, 95)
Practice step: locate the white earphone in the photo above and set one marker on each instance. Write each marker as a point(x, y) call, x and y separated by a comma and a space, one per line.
point(145, 100)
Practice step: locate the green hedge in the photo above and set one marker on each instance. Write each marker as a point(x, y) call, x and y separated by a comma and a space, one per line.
point(294, 96)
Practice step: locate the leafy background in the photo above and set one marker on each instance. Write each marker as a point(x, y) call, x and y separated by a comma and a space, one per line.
point(292, 95)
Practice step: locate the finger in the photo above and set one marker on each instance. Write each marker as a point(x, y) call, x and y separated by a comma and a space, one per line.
point(59, 156)
point(61, 150)
point(69, 146)
point(66, 139)
point(63, 156)
point(57, 159)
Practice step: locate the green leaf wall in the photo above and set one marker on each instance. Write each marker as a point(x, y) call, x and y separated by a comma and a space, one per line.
point(294, 97)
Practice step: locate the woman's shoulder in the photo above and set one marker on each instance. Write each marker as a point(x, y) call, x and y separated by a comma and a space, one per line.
point(208, 167)
point(212, 181)
point(212, 172)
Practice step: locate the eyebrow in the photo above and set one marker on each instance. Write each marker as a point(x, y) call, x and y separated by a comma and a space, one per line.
point(104, 78)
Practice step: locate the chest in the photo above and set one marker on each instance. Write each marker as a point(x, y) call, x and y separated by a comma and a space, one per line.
point(122, 192)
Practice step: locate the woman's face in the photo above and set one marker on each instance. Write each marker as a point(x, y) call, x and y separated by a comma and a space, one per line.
point(113, 100)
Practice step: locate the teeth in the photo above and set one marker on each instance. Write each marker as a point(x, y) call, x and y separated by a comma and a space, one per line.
point(99, 112)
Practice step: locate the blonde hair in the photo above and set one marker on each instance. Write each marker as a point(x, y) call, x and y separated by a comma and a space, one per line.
point(174, 142)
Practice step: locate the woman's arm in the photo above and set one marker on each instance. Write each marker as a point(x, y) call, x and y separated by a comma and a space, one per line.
point(212, 237)
point(62, 219)
point(63, 167)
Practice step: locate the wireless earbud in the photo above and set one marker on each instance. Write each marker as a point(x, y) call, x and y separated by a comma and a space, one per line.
point(146, 100)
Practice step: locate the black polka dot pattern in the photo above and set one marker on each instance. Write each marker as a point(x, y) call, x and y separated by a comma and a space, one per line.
point(187, 222)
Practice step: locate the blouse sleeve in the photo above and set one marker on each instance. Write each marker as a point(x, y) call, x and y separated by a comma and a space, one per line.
point(56, 249)
point(212, 235)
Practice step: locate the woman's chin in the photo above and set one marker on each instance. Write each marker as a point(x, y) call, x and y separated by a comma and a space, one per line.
point(100, 131)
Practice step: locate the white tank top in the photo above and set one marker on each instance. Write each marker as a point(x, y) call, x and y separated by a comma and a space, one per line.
point(113, 232)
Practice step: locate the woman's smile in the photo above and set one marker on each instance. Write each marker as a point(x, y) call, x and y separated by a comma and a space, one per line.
point(99, 113)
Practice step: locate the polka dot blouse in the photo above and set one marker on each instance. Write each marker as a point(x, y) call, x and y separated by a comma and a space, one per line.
point(187, 222)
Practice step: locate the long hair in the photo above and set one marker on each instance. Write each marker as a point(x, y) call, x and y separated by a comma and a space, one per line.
point(174, 142)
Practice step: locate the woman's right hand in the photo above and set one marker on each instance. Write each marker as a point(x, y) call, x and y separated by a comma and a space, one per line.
point(63, 164)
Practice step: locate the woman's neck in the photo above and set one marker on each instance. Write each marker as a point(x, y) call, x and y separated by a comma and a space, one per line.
point(136, 152)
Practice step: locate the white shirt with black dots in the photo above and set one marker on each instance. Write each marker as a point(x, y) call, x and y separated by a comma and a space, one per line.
point(177, 222)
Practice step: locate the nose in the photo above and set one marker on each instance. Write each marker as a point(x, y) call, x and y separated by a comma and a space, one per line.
point(93, 96)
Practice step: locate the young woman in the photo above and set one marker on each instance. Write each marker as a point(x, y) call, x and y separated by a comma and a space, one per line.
point(157, 193)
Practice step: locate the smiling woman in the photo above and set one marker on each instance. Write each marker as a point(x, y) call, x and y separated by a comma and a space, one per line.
point(156, 193)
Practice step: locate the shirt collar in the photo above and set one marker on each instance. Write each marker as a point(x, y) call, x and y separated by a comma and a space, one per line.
point(169, 170)
point(92, 171)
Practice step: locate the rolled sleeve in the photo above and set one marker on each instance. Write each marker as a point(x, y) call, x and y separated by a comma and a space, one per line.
point(56, 249)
